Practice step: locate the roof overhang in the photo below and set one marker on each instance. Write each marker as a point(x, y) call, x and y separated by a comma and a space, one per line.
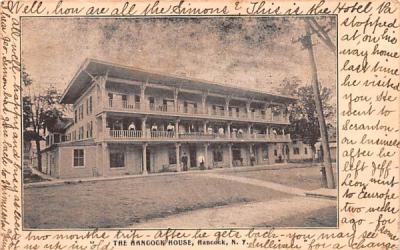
point(92, 67)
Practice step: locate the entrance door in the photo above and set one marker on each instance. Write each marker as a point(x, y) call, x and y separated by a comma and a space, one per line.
point(192, 155)
point(148, 161)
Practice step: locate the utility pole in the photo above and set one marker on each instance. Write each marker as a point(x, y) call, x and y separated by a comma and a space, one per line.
point(327, 171)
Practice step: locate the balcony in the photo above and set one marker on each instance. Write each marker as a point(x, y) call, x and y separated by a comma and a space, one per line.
point(126, 133)
point(121, 105)
point(138, 135)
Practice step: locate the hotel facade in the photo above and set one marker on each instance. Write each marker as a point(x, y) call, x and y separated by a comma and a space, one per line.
point(129, 121)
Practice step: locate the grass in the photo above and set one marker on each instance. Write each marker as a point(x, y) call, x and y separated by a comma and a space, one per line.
point(121, 203)
point(308, 178)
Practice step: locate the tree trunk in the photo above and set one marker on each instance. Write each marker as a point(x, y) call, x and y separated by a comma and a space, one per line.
point(327, 162)
point(39, 155)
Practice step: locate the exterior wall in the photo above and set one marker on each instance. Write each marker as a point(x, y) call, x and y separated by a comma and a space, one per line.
point(133, 160)
point(332, 149)
point(302, 155)
point(97, 157)
point(67, 170)
point(55, 166)
point(225, 157)
point(159, 157)
point(93, 92)
point(260, 154)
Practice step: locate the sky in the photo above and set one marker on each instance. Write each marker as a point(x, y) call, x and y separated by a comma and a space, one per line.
point(256, 52)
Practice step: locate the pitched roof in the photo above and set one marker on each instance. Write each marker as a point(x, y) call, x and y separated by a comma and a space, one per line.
point(92, 67)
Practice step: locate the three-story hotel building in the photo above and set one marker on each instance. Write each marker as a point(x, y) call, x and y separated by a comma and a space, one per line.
point(133, 121)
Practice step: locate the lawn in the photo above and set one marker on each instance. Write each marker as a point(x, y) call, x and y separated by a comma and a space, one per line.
point(121, 203)
point(307, 178)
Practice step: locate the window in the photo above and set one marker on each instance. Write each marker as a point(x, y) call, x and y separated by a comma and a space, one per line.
point(74, 135)
point(90, 105)
point(80, 135)
point(79, 158)
point(265, 152)
point(296, 151)
point(57, 138)
point(305, 151)
point(110, 99)
point(80, 115)
point(117, 159)
point(89, 130)
point(275, 152)
point(137, 98)
point(87, 106)
point(124, 99)
point(217, 153)
point(236, 154)
point(76, 116)
point(172, 156)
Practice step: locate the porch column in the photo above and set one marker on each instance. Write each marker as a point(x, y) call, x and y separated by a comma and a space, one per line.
point(102, 82)
point(106, 163)
point(272, 113)
point(249, 129)
point(227, 101)
point(144, 159)
point(230, 155)
point(250, 152)
point(205, 127)
point(144, 134)
point(268, 112)
point(176, 105)
point(228, 130)
point(142, 96)
point(206, 156)
point(248, 103)
point(178, 157)
point(177, 128)
point(203, 103)
point(285, 154)
point(104, 126)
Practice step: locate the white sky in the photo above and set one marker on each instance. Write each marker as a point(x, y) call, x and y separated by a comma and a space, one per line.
point(238, 51)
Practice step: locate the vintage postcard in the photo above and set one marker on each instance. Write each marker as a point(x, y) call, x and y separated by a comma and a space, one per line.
point(199, 124)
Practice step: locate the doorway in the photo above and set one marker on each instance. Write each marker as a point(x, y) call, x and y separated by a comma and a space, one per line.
point(192, 155)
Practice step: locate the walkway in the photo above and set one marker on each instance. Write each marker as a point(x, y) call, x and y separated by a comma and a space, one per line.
point(266, 184)
point(250, 214)
point(244, 215)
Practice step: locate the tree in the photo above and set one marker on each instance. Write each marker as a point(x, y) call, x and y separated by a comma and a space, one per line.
point(304, 124)
point(312, 26)
point(40, 112)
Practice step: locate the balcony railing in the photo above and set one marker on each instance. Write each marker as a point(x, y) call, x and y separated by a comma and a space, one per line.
point(126, 133)
point(138, 134)
point(195, 135)
point(123, 104)
point(160, 134)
